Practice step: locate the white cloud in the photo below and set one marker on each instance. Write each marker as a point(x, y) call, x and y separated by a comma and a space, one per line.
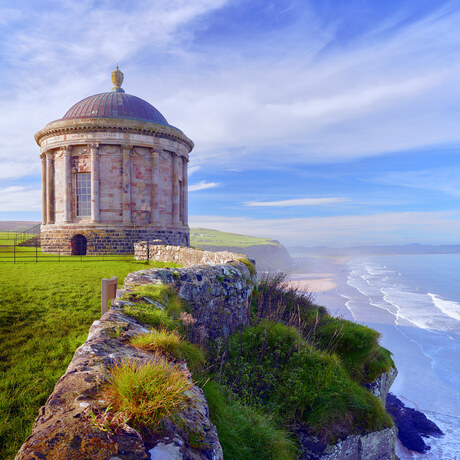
point(202, 185)
point(344, 231)
point(297, 202)
point(18, 198)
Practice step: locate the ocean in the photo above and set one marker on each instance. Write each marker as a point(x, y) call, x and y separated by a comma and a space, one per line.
point(414, 302)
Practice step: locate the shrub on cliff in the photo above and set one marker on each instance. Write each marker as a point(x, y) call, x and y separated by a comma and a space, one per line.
point(356, 345)
point(271, 366)
point(275, 301)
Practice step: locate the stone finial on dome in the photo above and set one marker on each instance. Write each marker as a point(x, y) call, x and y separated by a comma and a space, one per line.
point(117, 80)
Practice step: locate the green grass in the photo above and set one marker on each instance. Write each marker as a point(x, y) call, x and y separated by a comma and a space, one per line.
point(144, 395)
point(45, 313)
point(246, 433)
point(272, 366)
point(169, 343)
point(202, 237)
point(356, 345)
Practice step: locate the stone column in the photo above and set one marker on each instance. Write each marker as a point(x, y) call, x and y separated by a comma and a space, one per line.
point(44, 196)
point(184, 192)
point(155, 198)
point(49, 188)
point(95, 195)
point(66, 151)
point(127, 202)
point(175, 190)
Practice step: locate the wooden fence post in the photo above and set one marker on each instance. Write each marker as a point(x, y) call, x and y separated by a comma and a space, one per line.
point(108, 292)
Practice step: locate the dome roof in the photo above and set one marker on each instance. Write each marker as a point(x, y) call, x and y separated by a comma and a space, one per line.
point(115, 104)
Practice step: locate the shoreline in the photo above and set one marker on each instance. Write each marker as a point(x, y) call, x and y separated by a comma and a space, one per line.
point(417, 384)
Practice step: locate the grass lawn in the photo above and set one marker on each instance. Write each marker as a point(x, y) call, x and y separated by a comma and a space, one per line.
point(202, 237)
point(46, 310)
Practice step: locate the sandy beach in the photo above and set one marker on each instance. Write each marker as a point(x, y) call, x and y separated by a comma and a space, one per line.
point(321, 276)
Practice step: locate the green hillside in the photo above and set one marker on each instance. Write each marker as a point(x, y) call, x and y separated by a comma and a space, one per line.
point(201, 237)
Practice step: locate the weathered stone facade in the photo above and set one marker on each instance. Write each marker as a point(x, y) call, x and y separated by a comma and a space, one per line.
point(113, 162)
point(109, 240)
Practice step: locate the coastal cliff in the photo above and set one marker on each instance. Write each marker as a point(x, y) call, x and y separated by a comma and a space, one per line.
point(77, 422)
point(269, 254)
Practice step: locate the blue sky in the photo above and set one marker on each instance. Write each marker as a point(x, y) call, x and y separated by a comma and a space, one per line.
point(315, 122)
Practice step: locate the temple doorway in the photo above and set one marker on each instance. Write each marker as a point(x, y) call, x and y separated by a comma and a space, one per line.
point(78, 244)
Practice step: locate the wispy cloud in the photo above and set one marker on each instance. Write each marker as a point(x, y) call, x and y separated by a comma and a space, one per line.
point(446, 180)
point(296, 202)
point(202, 185)
point(17, 198)
point(193, 169)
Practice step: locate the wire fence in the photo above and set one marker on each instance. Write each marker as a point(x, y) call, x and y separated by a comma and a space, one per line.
point(17, 247)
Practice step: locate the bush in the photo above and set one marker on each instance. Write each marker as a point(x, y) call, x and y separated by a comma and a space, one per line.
point(246, 433)
point(276, 302)
point(172, 345)
point(144, 395)
point(356, 345)
point(272, 366)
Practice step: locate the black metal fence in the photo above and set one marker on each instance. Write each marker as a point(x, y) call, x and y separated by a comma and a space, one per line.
point(16, 247)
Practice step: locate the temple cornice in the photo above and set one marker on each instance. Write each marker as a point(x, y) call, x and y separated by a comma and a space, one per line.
point(107, 124)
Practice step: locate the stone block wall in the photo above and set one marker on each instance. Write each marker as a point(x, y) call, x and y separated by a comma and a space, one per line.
point(157, 250)
point(113, 240)
point(218, 295)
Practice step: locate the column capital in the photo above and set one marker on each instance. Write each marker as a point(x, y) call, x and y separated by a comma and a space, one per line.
point(93, 148)
point(127, 148)
point(66, 149)
point(49, 154)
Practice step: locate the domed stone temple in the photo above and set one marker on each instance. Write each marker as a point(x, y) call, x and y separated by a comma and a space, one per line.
point(114, 172)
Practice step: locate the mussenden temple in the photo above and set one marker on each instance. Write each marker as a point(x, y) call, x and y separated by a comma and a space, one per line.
point(114, 172)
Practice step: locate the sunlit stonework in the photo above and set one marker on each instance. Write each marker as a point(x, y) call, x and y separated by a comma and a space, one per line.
point(113, 172)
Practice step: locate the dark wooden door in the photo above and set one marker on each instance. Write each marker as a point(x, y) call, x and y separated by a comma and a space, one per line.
point(79, 245)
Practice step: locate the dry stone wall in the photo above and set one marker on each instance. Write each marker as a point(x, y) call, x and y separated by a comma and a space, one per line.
point(64, 428)
point(163, 251)
point(218, 295)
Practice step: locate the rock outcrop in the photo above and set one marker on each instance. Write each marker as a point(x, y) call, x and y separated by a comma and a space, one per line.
point(382, 385)
point(378, 445)
point(412, 425)
point(65, 428)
